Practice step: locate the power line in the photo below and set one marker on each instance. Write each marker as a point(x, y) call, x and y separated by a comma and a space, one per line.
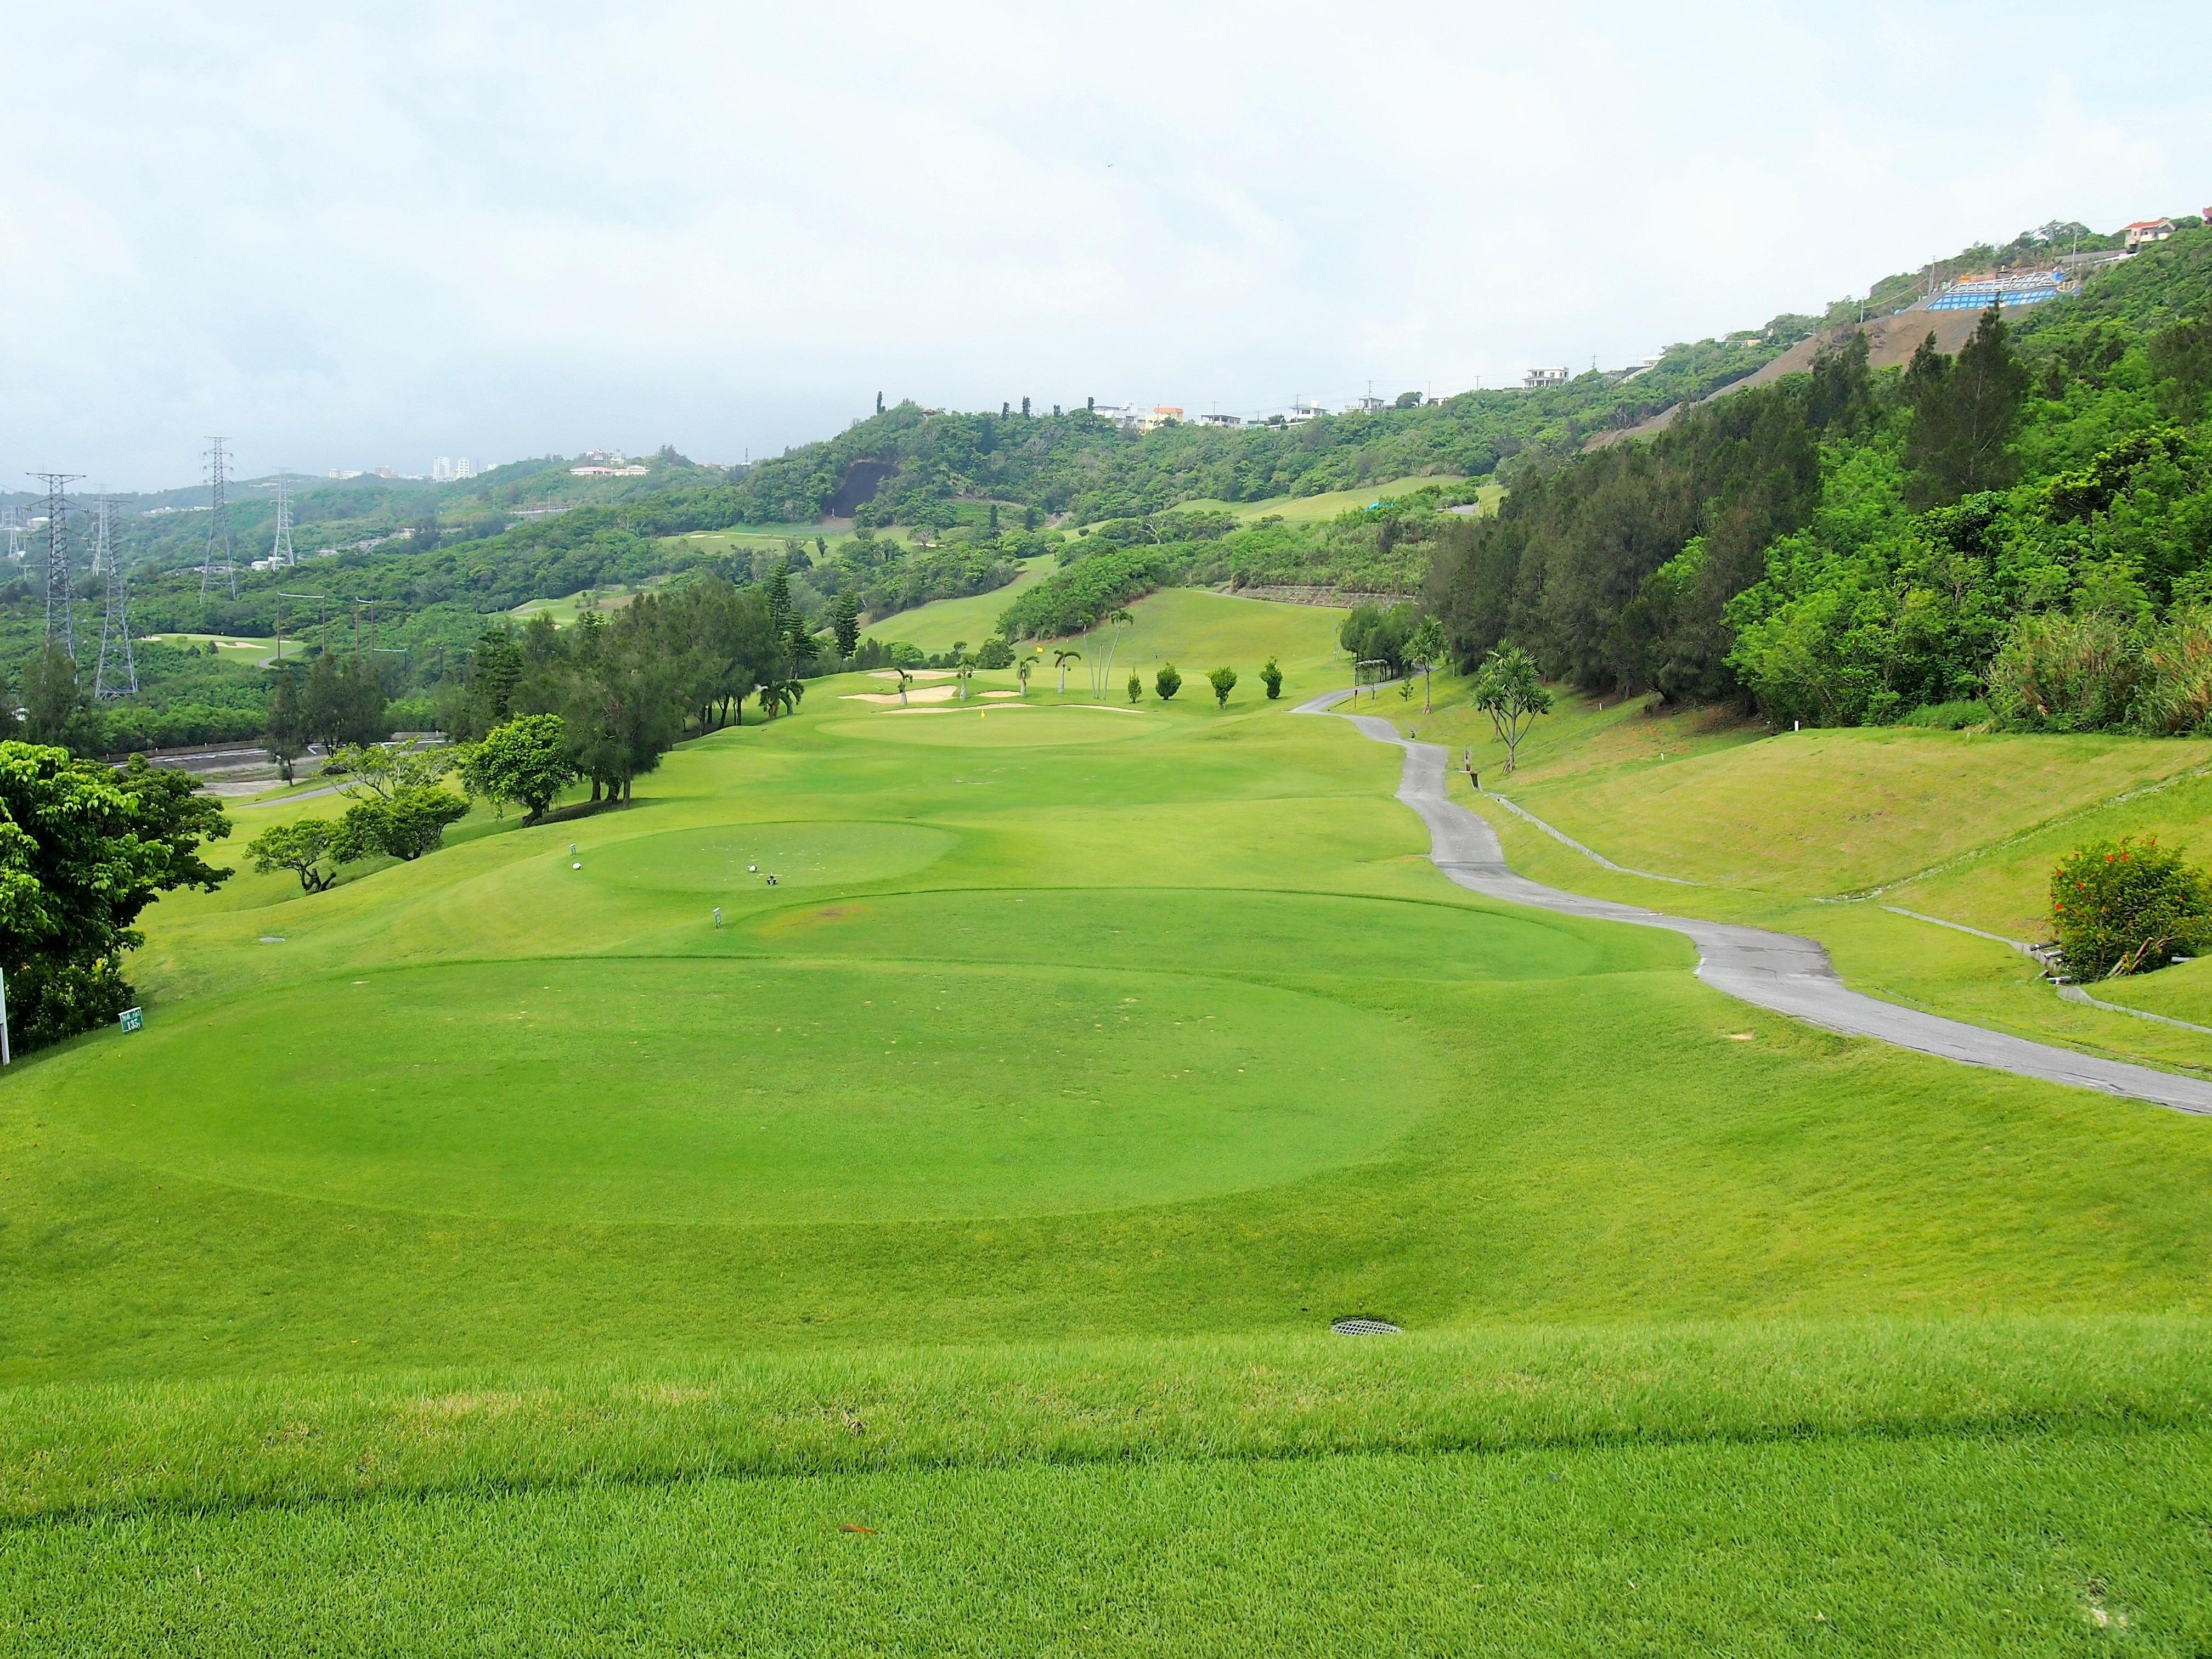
point(281, 550)
point(116, 675)
point(61, 621)
point(218, 542)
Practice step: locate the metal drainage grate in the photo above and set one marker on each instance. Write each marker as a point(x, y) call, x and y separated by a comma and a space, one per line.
point(1364, 1327)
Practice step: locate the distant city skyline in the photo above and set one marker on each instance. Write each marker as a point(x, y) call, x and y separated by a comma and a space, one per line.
point(1167, 205)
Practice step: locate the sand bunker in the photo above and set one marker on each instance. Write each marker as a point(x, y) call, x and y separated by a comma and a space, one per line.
point(932, 693)
point(916, 674)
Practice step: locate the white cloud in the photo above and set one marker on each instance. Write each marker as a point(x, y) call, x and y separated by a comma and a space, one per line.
point(355, 235)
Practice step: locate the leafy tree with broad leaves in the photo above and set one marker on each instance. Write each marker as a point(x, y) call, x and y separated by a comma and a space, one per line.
point(403, 827)
point(1509, 692)
point(1223, 681)
point(1136, 687)
point(300, 846)
point(84, 847)
point(524, 760)
point(386, 770)
point(1271, 676)
point(1167, 682)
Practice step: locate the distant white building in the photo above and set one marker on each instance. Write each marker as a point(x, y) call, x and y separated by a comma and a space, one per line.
point(2147, 230)
point(1220, 420)
point(1536, 379)
point(462, 470)
point(1368, 406)
point(608, 472)
point(1302, 411)
point(440, 470)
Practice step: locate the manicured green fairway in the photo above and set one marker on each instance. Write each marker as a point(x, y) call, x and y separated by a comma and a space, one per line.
point(939, 626)
point(1305, 509)
point(494, 1255)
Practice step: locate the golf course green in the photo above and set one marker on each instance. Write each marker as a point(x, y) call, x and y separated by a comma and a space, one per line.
point(573, 1241)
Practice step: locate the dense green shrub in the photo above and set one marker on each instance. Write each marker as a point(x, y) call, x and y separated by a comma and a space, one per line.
point(2061, 674)
point(1072, 599)
point(2126, 907)
point(2175, 694)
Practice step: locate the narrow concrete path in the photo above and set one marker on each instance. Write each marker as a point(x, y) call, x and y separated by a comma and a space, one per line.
point(1780, 971)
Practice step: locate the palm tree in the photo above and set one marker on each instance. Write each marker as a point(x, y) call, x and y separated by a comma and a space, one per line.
point(1114, 620)
point(781, 696)
point(1059, 660)
point(962, 674)
point(905, 680)
point(1423, 650)
point(1022, 673)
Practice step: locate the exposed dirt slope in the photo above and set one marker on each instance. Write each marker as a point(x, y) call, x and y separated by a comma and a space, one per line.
point(1891, 342)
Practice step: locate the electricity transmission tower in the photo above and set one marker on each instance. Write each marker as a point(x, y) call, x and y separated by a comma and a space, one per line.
point(61, 622)
point(118, 673)
point(218, 542)
point(282, 550)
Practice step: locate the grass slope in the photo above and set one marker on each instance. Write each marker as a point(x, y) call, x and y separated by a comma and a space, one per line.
point(1833, 833)
point(495, 1254)
point(1311, 509)
point(939, 625)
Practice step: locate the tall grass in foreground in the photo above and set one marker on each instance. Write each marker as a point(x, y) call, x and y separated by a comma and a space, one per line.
point(276, 1439)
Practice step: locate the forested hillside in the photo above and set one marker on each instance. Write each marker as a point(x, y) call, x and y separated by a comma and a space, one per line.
point(2020, 533)
point(1822, 547)
point(909, 465)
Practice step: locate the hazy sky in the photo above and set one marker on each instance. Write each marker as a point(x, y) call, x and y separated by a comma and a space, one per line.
point(362, 236)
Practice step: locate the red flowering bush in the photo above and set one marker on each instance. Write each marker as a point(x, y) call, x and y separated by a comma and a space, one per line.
point(2126, 907)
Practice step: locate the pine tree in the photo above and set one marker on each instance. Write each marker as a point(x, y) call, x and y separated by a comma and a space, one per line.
point(777, 592)
point(845, 618)
point(1964, 415)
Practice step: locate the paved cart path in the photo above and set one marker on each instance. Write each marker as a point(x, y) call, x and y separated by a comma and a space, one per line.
point(1790, 974)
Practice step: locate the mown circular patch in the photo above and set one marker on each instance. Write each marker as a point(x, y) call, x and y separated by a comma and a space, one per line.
point(619, 1089)
point(734, 857)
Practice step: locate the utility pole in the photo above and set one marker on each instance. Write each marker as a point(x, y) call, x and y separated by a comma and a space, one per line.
point(218, 542)
point(61, 622)
point(116, 675)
